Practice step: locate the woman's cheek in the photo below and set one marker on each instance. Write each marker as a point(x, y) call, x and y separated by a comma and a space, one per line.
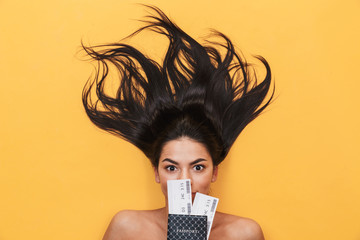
point(202, 184)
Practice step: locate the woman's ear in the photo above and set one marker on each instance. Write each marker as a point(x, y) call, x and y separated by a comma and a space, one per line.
point(157, 177)
point(215, 173)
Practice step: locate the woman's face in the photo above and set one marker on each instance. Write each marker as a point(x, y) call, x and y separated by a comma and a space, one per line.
point(185, 158)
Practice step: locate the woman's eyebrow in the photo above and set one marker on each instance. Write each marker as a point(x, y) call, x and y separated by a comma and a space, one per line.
point(197, 161)
point(169, 160)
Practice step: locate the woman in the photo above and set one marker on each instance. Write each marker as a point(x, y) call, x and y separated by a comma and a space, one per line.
point(184, 115)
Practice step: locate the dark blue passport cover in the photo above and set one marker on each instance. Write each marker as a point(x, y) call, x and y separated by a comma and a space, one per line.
point(188, 227)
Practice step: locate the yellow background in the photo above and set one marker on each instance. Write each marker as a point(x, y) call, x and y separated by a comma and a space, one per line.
point(295, 169)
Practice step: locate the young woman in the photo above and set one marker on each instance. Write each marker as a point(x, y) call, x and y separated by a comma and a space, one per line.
point(184, 114)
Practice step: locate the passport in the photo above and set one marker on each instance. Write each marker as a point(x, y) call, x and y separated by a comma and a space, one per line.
point(189, 227)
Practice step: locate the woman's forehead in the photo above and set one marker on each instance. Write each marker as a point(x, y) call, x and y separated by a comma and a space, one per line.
point(184, 150)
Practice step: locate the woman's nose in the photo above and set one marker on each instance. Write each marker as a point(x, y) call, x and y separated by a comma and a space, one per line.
point(185, 174)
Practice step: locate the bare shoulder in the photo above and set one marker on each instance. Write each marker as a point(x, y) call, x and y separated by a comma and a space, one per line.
point(235, 227)
point(127, 224)
point(122, 225)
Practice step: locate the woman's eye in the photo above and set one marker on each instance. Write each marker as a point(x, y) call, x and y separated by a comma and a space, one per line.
point(199, 167)
point(171, 168)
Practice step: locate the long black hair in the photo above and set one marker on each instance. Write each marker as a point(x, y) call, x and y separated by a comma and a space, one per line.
point(196, 92)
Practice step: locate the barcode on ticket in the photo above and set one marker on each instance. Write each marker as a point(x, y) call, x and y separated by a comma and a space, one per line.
point(188, 187)
point(213, 206)
point(189, 208)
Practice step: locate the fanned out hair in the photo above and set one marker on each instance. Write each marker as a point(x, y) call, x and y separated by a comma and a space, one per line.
point(196, 92)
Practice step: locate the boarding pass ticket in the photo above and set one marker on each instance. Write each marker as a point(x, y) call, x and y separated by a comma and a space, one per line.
point(179, 196)
point(206, 206)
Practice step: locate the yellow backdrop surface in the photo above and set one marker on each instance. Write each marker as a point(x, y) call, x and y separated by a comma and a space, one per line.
point(295, 169)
